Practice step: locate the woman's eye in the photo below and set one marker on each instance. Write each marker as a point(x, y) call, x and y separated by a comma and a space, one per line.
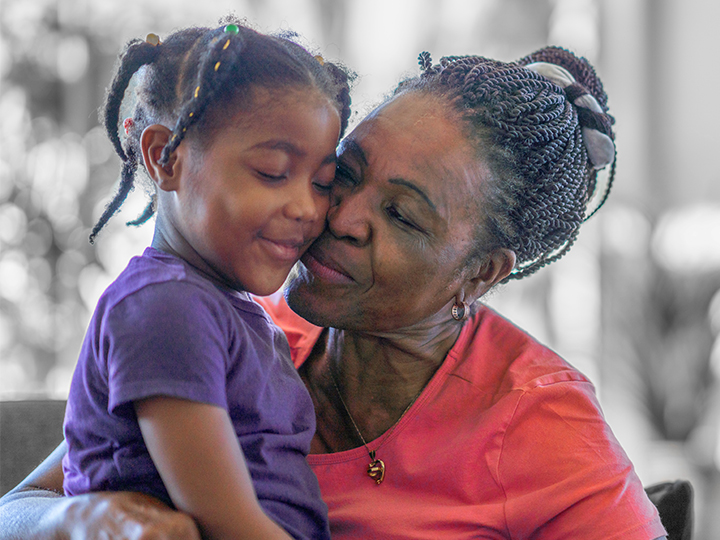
point(394, 214)
point(344, 176)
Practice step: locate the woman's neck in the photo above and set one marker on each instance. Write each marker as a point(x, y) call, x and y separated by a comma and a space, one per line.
point(377, 375)
point(387, 367)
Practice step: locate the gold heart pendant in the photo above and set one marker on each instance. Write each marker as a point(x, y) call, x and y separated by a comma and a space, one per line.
point(376, 469)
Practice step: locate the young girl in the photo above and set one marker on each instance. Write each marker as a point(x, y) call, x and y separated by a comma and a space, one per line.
point(184, 388)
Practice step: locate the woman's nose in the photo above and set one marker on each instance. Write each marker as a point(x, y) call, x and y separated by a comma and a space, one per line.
point(348, 216)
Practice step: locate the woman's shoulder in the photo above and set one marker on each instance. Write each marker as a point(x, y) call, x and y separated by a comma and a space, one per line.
point(301, 334)
point(494, 352)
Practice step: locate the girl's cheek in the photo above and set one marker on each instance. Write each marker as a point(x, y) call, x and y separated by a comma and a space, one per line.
point(318, 225)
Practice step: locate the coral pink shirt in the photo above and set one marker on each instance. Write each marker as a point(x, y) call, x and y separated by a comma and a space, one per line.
point(506, 441)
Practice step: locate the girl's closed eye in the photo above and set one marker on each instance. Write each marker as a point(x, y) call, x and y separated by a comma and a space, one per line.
point(322, 186)
point(269, 165)
point(271, 176)
point(324, 178)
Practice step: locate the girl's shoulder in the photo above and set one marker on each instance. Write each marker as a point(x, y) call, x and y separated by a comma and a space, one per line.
point(153, 273)
point(163, 277)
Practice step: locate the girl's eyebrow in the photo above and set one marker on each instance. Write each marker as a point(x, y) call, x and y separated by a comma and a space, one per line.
point(417, 189)
point(290, 148)
point(285, 146)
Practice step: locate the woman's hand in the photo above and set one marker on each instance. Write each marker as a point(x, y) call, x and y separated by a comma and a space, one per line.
point(121, 516)
point(35, 509)
point(45, 515)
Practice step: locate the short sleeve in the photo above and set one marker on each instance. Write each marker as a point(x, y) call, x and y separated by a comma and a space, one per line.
point(166, 339)
point(564, 473)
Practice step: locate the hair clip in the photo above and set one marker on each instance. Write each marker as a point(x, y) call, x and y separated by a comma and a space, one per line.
point(152, 39)
point(320, 59)
point(128, 124)
point(232, 29)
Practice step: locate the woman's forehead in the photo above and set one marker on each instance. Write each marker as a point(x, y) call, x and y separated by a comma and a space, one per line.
point(413, 126)
point(419, 141)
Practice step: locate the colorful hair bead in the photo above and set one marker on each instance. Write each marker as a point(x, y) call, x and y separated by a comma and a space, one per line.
point(232, 29)
point(128, 123)
point(152, 39)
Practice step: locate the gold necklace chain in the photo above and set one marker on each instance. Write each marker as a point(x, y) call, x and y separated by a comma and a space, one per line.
point(376, 467)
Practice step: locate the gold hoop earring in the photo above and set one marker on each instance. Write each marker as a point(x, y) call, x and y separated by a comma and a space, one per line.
point(459, 311)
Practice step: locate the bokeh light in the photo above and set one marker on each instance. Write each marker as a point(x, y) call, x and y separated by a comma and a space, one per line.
point(635, 304)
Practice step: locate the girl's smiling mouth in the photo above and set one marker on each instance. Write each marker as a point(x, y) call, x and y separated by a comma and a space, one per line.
point(288, 249)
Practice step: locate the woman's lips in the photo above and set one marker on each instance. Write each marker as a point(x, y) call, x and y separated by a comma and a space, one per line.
point(325, 270)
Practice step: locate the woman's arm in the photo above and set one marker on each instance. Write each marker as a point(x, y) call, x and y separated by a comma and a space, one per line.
point(36, 509)
point(196, 452)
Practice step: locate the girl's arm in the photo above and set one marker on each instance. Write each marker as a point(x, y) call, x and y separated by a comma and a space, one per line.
point(36, 509)
point(196, 452)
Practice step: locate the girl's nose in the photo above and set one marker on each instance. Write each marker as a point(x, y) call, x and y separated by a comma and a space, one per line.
point(305, 204)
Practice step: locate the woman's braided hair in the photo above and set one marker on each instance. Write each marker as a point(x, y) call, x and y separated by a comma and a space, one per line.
point(529, 132)
point(195, 80)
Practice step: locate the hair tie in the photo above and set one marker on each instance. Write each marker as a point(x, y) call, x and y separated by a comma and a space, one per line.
point(595, 124)
point(128, 124)
point(153, 39)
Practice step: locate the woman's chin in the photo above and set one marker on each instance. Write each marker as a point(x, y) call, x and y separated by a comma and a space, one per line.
point(303, 298)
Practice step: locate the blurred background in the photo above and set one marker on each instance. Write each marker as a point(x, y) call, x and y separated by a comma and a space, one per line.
point(635, 305)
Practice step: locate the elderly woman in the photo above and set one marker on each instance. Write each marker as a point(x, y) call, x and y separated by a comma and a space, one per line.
point(436, 417)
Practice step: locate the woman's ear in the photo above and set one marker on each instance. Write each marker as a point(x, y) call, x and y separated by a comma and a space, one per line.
point(154, 138)
point(496, 267)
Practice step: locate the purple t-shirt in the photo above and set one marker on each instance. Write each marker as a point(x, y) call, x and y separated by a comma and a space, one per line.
point(163, 329)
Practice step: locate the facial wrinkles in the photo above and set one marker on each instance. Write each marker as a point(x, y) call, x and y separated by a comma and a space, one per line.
point(454, 187)
point(427, 149)
point(431, 163)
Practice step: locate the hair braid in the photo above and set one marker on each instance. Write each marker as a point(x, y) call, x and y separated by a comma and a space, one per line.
point(528, 130)
point(215, 67)
point(137, 54)
point(127, 179)
point(196, 70)
point(343, 80)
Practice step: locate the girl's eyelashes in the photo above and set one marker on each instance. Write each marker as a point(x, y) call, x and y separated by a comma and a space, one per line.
point(323, 188)
point(271, 177)
point(319, 185)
